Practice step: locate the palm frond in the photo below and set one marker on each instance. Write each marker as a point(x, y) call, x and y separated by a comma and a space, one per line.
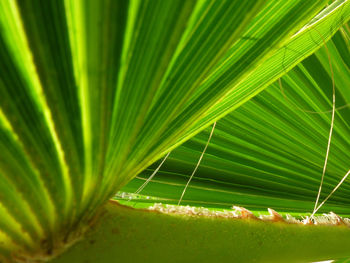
point(270, 151)
point(93, 92)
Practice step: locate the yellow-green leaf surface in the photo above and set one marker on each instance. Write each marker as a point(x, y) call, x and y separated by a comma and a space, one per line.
point(93, 92)
point(270, 152)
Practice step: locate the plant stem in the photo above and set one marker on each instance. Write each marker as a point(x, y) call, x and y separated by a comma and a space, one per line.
point(130, 235)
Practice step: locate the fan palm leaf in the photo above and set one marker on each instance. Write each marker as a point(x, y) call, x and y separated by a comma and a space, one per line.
point(94, 92)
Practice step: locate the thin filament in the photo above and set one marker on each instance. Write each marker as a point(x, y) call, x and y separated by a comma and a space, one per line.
point(199, 161)
point(152, 175)
point(331, 129)
point(335, 189)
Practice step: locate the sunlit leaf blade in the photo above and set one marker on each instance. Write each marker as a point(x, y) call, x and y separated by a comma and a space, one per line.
point(270, 151)
point(281, 60)
point(48, 42)
point(197, 54)
point(96, 32)
point(23, 104)
point(150, 46)
point(196, 106)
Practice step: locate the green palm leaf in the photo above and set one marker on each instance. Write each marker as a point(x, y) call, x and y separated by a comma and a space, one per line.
point(93, 92)
point(270, 152)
